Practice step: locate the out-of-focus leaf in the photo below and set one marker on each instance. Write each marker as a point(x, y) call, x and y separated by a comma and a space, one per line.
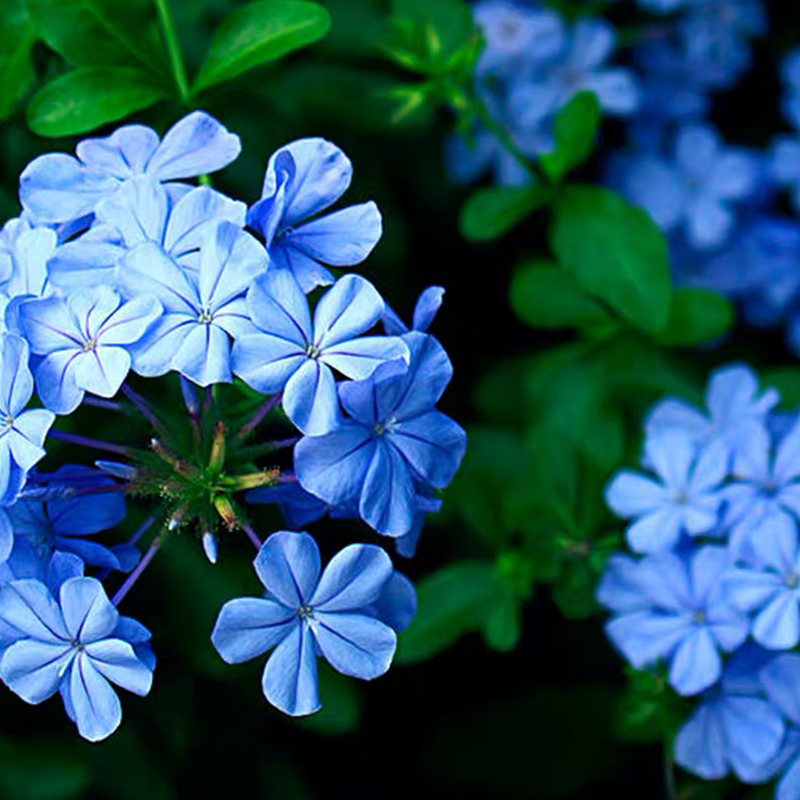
point(696, 316)
point(444, 26)
point(92, 33)
point(546, 296)
point(341, 704)
point(88, 97)
point(502, 626)
point(16, 68)
point(39, 771)
point(451, 602)
point(787, 381)
point(258, 33)
point(492, 211)
point(575, 133)
point(649, 710)
point(501, 394)
point(616, 251)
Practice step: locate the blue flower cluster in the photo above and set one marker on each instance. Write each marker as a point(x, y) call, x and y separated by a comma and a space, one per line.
point(713, 596)
point(118, 266)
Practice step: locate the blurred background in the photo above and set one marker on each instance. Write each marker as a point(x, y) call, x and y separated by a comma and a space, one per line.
point(507, 686)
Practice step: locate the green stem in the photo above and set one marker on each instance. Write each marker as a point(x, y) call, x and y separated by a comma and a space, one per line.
point(173, 49)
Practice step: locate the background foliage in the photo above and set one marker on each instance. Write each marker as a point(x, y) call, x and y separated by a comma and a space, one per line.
point(562, 326)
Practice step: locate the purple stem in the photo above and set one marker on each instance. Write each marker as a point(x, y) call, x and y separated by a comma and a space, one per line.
point(251, 534)
point(98, 402)
point(287, 478)
point(280, 444)
point(140, 568)
point(85, 441)
point(144, 408)
point(137, 534)
point(257, 418)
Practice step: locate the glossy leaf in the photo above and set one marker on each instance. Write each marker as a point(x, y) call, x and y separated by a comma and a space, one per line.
point(696, 316)
point(16, 68)
point(575, 131)
point(492, 211)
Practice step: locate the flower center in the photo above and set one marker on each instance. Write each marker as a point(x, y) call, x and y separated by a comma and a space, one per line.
point(792, 580)
point(8, 422)
point(699, 617)
point(305, 612)
point(90, 346)
point(312, 351)
point(205, 317)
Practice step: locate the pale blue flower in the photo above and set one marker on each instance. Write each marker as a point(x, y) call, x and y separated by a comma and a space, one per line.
point(84, 341)
point(295, 355)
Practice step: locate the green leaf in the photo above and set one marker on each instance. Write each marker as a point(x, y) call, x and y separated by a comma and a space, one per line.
point(94, 33)
point(33, 771)
point(616, 251)
point(258, 33)
point(503, 625)
point(648, 711)
point(493, 211)
point(451, 602)
point(89, 97)
point(16, 68)
point(446, 25)
point(575, 132)
point(696, 316)
point(545, 295)
point(787, 381)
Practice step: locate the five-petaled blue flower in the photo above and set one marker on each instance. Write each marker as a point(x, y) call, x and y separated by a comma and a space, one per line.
point(77, 644)
point(85, 342)
point(394, 443)
point(686, 499)
point(59, 188)
point(201, 311)
point(22, 433)
point(307, 613)
point(303, 179)
point(291, 354)
point(684, 618)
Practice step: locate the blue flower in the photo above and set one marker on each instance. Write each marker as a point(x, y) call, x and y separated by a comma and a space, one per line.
point(790, 72)
point(735, 410)
point(715, 36)
point(175, 217)
point(306, 614)
point(84, 341)
point(58, 188)
point(201, 311)
point(686, 498)
point(696, 191)
point(293, 355)
point(425, 311)
point(765, 489)
point(517, 37)
point(24, 254)
point(394, 444)
point(22, 433)
point(771, 586)
point(785, 165)
point(684, 619)
point(303, 179)
point(581, 66)
point(735, 728)
point(59, 525)
point(76, 644)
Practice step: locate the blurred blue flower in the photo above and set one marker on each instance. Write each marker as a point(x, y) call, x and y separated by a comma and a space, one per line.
point(24, 254)
point(735, 728)
point(76, 644)
point(60, 525)
point(785, 165)
point(686, 498)
point(771, 587)
point(303, 179)
point(765, 488)
point(735, 409)
point(291, 354)
point(84, 341)
point(178, 218)
point(790, 73)
point(23, 432)
point(58, 188)
point(696, 191)
point(394, 442)
point(306, 614)
point(687, 620)
point(201, 311)
point(425, 311)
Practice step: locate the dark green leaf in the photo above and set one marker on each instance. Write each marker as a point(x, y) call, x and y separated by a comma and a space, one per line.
point(648, 710)
point(92, 33)
point(575, 133)
point(547, 296)
point(502, 626)
point(787, 381)
point(451, 602)
point(696, 316)
point(89, 97)
point(493, 211)
point(616, 251)
point(32, 771)
point(446, 25)
point(16, 41)
point(258, 33)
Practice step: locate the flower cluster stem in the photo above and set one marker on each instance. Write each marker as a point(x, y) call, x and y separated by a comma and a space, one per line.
point(138, 570)
point(86, 441)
